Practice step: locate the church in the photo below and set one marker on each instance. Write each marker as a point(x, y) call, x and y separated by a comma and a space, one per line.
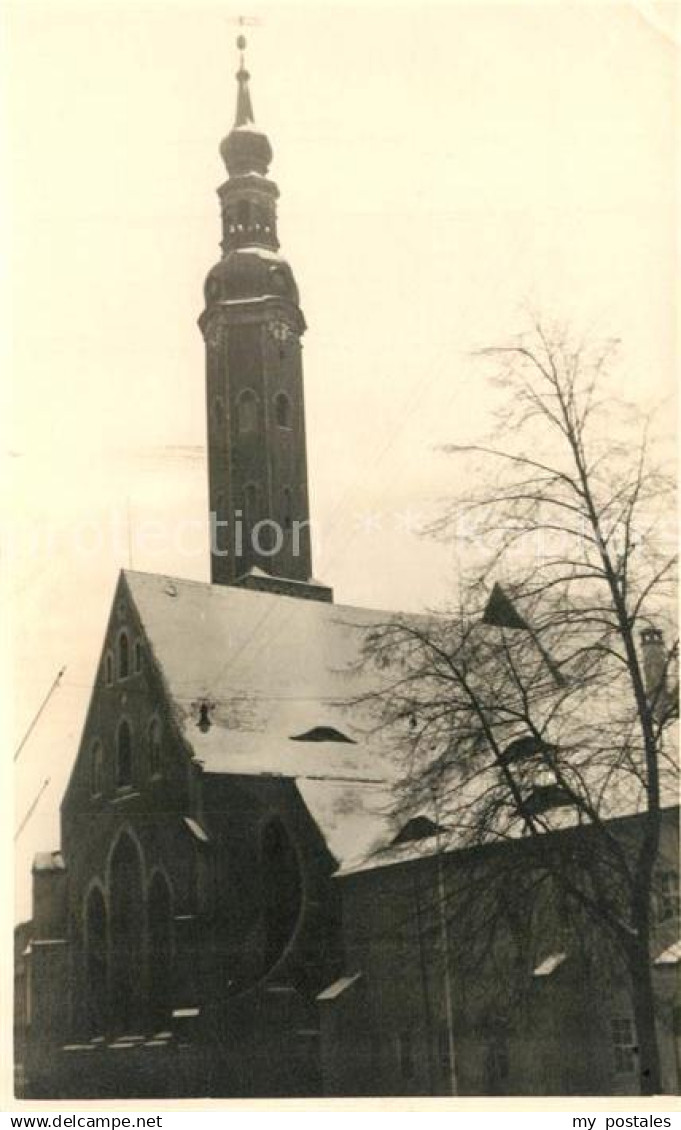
point(226, 915)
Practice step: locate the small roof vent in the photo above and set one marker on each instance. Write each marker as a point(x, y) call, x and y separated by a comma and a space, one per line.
point(418, 828)
point(322, 734)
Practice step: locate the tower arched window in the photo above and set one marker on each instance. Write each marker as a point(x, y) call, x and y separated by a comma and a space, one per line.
point(138, 657)
point(124, 755)
point(282, 410)
point(250, 505)
point(123, 656)
point(247, 411)
point(155, 748)
point(286, 508)
point(97, 768)
point(108, 669)
point(243, 214)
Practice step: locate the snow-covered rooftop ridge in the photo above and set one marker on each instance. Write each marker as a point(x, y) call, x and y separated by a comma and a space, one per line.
point(385, 853)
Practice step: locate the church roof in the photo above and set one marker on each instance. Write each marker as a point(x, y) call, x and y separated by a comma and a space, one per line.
point(267, 685)
point(279, 678)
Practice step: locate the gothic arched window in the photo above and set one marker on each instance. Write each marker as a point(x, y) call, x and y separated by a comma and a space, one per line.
point(155, 748)
point(138, 657)
point(124, 755)
point(247, 411)
point(282, 890)
point(108, 669)
point(96, 961)
point(160, 949)
point(282, 410)
point(97, 768)
point(127, 918)
point(123, 656)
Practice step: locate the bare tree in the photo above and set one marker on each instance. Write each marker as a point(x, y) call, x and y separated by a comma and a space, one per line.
point(538, 709)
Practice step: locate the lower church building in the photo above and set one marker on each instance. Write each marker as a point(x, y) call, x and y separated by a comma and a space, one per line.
point(233, 911)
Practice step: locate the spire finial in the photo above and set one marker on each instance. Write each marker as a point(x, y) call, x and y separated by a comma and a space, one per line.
point(246, 148)
point(244, 107)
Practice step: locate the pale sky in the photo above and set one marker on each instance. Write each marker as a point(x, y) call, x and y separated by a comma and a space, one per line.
point(440, 167)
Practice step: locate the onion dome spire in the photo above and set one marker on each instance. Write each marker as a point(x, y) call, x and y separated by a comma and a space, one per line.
point(245, 149)
point(244, 106)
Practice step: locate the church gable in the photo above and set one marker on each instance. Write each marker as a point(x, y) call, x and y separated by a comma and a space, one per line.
point(130, 755)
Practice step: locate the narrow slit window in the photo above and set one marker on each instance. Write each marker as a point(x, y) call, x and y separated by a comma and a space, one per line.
point(124, 755)
point(123, 656)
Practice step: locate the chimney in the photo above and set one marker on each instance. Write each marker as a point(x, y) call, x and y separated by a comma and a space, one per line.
point(655, 669)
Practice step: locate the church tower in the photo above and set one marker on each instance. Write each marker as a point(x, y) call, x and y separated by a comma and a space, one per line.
point(252, 327)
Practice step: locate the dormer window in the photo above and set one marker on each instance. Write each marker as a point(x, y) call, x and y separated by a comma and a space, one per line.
point(532, 761)
point(123, 656)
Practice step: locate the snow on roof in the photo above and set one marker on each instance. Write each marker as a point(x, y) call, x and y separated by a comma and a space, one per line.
point(270, 668)
point(549, 965)
point(261, 252)
point(353, 816)
point(222, 749)
point(337, 988)
point(388, 853)
point(196, 830)
point(267, 668)
point(48, 861)
point(670, 956)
